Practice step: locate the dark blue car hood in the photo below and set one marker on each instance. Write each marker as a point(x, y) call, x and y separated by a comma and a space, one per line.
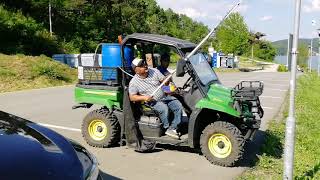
point(30, 151)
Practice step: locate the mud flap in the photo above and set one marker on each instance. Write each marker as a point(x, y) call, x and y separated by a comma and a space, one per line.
point(133, 135)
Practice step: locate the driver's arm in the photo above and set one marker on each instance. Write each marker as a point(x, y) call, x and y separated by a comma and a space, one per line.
point(134, 94)
point(139, 98)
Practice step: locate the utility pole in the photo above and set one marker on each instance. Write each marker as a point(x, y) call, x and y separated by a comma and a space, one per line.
point(252, 52)
point(311, 52)
point(318, 31)
point(291, 120)
point(50, 23)
point(313, 22)
point(289, 54)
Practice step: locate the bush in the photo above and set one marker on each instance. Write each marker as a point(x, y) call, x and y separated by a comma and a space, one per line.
point(21, 72)
point(6, 72)
point(307, 152)
point(53, 70)
point(282, 68)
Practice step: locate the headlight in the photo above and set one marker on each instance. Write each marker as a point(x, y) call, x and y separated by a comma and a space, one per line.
point(88, 161)
point(94, 172)
point(254, 109)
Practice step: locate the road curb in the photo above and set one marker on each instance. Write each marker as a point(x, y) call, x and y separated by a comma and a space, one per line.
point(37, 89)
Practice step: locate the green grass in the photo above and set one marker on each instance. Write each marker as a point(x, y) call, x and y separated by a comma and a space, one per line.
point(282, 68)
point(19, 72)
point(226, 70)
point(307, 151)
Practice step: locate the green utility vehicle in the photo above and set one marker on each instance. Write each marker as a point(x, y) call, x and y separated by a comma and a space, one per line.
point(217, 119)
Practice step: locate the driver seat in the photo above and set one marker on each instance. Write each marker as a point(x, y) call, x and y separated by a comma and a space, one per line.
point(147, 110)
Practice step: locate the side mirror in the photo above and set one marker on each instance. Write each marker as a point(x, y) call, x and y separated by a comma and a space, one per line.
point(181, 67)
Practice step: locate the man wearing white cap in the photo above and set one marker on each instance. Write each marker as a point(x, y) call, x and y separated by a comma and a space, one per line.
point(143, 84)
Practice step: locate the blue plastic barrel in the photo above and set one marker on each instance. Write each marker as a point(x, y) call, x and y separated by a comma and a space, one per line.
point(111, 57)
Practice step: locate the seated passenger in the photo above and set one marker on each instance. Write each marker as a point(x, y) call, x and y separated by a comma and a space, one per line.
point(170, 87)
point(143, 84)
point(164, 64)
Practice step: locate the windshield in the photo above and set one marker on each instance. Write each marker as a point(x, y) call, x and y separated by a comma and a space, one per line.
point(203, 69)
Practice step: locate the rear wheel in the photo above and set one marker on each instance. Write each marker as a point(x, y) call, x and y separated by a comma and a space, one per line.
point(222, 143)
point(100, 128)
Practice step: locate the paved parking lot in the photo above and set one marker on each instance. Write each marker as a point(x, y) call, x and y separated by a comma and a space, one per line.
point(52, 108)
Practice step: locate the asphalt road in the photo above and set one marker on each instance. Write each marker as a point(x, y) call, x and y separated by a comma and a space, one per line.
point(52, 108)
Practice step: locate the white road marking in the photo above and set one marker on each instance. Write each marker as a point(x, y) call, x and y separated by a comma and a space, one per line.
point(265, 80)
point(271, 84)
point(266, 85)
point(272, 97)
point(266, 107)
point(277, 89)
point(59, 127)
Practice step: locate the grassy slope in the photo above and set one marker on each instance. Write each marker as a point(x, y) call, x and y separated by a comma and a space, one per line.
point(20, 72)
point(307, 151)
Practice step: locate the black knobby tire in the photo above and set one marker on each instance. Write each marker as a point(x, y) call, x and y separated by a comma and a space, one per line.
point(112, 137)
point(234, 136)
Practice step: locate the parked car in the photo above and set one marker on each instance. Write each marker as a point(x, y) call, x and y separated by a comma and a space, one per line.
point(31, 151)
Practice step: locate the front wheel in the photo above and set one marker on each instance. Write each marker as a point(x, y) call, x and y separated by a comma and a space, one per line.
point(222, 143)
point(101, 128)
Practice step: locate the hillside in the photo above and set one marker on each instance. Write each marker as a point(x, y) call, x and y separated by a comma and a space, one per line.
point(78, 26)
point(21, 72)
point(282, 45)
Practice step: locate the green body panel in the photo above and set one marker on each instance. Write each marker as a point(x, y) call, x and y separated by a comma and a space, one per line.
point(102, 97)
point(219, 99)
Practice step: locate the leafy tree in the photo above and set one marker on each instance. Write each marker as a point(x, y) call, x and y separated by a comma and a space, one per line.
point(303, 55)
point(253, 39)
point(79, 25)
point(21, 34)
point(264, 50)
point(233, 35)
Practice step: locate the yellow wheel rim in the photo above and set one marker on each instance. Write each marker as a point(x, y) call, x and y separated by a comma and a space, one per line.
point(219, 145)
point(97, 130)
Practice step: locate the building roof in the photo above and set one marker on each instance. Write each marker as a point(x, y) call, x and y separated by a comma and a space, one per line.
point(162, 39)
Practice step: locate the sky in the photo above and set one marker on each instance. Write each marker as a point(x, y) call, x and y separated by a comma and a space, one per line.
point(273, 17)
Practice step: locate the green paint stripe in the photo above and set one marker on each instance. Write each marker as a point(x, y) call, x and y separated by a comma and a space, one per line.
point(101, 93)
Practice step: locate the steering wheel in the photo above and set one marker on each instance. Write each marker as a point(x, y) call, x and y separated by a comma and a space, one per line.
point(187, 83)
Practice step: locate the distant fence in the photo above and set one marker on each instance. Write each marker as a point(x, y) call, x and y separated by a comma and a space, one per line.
point(314, 61)
point(73, 59)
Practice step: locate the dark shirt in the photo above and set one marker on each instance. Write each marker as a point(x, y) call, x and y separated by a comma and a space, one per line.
point(163, 70)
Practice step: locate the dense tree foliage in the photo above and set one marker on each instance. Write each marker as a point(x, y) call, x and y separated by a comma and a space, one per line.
point(303, 55)
point(21, 34)
point(79, 25)
point(264, 50)
point(233, 35)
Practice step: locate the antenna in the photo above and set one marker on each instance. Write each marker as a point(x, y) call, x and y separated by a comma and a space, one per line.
point(212, 31)
point(199, 45)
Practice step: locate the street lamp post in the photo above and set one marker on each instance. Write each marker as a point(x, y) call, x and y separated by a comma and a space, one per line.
point(50, 23)
point(310, 58)
point(291, 120)
point(311, 48)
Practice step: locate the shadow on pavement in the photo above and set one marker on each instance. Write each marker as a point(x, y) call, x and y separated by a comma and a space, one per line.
point(108, 176)
point(178, 148)
point(264, 143)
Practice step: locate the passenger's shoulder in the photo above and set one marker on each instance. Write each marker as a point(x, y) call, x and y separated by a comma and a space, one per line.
point(133, 80)
point(155, 70)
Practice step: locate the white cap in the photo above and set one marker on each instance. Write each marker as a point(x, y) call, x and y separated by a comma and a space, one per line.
point(136, 62)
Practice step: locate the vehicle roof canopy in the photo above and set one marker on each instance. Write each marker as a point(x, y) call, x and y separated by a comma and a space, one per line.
point(161, 39)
